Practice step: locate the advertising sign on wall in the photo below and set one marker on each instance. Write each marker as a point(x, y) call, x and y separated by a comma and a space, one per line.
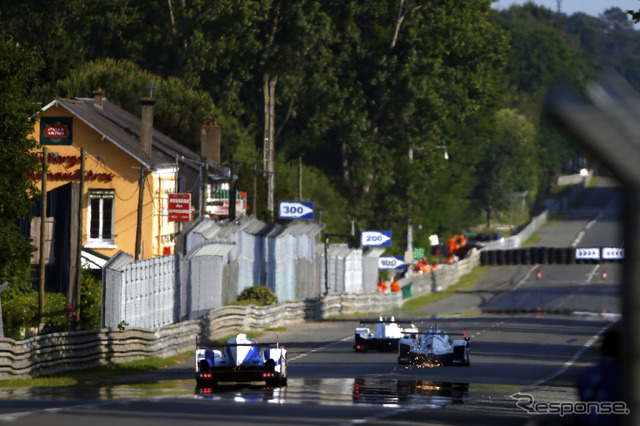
point(218, 204)
point(56, 131)
point(180, 207)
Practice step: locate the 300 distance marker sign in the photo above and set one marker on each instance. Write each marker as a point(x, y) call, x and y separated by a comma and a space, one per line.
point(295, 210)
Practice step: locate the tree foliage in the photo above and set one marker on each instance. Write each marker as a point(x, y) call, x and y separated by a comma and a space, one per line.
point(17, 70)
point(507, 163)
point(358, 85)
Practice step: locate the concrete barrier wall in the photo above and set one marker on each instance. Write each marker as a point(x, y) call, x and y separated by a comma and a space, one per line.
point(442, 278)
point(55, 353)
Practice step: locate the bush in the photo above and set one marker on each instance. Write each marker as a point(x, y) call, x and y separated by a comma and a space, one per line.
point(20, 314)
point(90, 301)
point(56, 313)
point(260, 294)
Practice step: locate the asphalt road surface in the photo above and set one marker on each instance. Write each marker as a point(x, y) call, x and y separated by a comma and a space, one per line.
point(530, 334)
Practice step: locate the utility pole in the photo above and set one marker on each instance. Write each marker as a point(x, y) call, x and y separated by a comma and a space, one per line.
point(299, 179)
point(408, 256)
point(141, 183)
point(232, 192)
point(2, 288)
point(268, 149)
point(43, 239)
point(204, 189)
point(80, 228)
point(255, 190)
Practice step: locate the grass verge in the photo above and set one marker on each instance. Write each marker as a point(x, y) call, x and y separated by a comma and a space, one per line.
point(465, 283)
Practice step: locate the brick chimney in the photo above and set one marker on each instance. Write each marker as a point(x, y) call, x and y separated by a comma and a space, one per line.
point(146, 125)
point(210, 140)
point(97, 98)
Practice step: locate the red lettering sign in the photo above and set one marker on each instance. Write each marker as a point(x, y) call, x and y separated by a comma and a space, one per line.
point(56, 131)
point(179, 207)
point(73, 176)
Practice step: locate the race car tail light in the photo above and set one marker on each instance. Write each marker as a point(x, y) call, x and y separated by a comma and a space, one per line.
point(464, 333)
point(207, 375)
point(267, 374)
point(358, 347)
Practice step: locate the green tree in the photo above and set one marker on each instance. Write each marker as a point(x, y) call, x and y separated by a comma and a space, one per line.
point(179, 109)
point(425, 69)
point(548, 49)
point(18, 69)
point(507, 162)
point(357, 85)
point(146, 32)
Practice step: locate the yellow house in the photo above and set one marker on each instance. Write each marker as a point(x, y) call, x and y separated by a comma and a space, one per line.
point(129, 171)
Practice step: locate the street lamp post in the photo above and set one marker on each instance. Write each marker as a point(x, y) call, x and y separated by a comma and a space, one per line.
point(408, 257)
point(409, 252)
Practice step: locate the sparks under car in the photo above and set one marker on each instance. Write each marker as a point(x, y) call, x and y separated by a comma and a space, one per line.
point(384, 337)
point(434, 347)
point(241, 360)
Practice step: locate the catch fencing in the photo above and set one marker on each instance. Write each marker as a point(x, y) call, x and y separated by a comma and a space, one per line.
point(219, 262)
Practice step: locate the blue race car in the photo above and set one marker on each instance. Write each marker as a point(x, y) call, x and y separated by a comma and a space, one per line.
point(434, 347)
point(241, 360)
point(384, 337)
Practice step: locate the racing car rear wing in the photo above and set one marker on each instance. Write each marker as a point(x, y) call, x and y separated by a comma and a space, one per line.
point(385, 320)
point(222, 345)
point(230, 345)
point(442, 332)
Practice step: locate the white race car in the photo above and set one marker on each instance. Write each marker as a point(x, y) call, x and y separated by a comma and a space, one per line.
point(241, 360)
point(384, 337)
point(434, 347)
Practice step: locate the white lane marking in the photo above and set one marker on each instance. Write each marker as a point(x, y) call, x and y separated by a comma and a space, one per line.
point(344, 339)
point(592, 273)
point(582, 233)
point(497, 324)
point(12, 417)
point(526, 276)
point(582, 286)
point(389, 413)
point(575, 357)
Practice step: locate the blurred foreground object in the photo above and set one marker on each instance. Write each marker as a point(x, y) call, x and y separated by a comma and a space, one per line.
point(607, 123)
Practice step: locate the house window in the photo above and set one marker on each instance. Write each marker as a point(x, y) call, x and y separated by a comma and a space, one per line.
point(165, 181)
point(101, 217)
